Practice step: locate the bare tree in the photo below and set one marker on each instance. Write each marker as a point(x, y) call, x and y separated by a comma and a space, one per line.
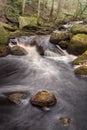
point(38, 15)
point(52, 9)
point(23, 6)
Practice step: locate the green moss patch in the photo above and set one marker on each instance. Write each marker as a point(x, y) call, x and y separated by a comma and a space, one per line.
point(81, 70)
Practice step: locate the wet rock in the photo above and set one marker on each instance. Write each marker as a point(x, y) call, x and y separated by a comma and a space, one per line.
point(4, 51)
point(4, 36)
point(65, 121)
point(27, 22)
point(78, 44)
point(82, 70)
point(56, 37)
point(81, 59)
point(18, 51)
point(79, 28)
point(43, 99)
point(16, 97)
point(63, 44)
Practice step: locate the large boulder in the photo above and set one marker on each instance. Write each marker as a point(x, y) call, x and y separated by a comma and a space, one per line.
point(79, 28)
point(4, 51)
point(58, 36)
point(18, 51)
point(81, 59)
point(4, 36)
point(78, 44)
point(27, 22)
point(43, 99)
point(82, 70)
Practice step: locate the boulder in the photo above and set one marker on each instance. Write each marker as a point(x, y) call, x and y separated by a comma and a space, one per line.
point(4, 51)
point(4, 36)
point(18, 51)
point(81, 59)
point(79, 28)
point(43, 99)
point(82, 70)
point(78, 44)
point(27, 22)
point(65, 121)
point(16, 97)
point(63, 44)
point(57, 36)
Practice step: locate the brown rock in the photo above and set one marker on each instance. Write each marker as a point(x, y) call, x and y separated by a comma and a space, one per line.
point(65, 121)
point(43, 99)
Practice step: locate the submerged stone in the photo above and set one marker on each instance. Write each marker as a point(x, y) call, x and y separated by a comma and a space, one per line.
point(65, 121)
point(82, 70)
point(43, 99)
point(78, 44)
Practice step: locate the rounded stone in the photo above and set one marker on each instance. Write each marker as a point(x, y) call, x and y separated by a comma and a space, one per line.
point(16, 97)
point(65, 121)
point(43, 99)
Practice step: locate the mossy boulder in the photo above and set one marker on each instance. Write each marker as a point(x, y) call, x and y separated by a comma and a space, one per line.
point(16, 97)
point(63, 44)
point(81, 59)
point(27, 22)
point(43, 99)
point(56, 37)
point(9, 27)
point(79, 28)
point(16, 50)
point(78, 44)
point(82, 70)
point(4, 51)
point(4, 36)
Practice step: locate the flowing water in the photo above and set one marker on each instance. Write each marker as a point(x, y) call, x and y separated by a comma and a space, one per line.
point(32, 73)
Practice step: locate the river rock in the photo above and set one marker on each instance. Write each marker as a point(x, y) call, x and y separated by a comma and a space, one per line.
point(78, 44)
point(43, 99)
point(27, 22)
point(4, 36)
point(4, 51)
point(82, 70)
point(58, 36)
point(65, 121)
point(79, 28)
point(81, 59)
point(16, 97)
point(63, 44)
point(18, 51)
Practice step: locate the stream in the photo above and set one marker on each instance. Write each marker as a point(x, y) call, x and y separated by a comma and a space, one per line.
point(31, 74)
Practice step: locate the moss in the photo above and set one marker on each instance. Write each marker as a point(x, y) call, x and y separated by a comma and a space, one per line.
point(43, 99)
point(4, 36)
point(64, 44)
point(27, 22)
point(81, 70)
point(78, 44)
point(79, 28)
point(59, 36)
point(81, 59)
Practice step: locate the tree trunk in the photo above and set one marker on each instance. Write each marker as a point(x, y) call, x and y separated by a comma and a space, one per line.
point(23, 6)
point(52, 8)
point(38, 15)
